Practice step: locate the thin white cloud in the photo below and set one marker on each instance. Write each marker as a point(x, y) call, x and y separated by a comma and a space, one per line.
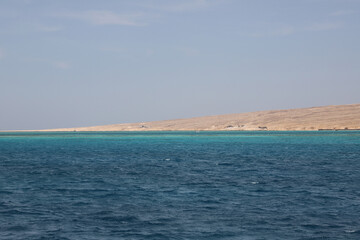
point(61, 65)
point(342, 13)
point(188, 51)
point(284, 31)
point(105, 18)
point(273, 32)
point(113, 49)
point(317, 27)
point(30, 28)
point(44, 28)
point(289, 30)
point(56, 64)
point(2, 54)
point(150, 52)
point(181, 6)
point(184, 6)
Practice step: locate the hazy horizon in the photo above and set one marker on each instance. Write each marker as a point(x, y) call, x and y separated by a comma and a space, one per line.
point(86, 63)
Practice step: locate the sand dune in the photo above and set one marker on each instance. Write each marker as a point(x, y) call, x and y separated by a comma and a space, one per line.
point(339, 117)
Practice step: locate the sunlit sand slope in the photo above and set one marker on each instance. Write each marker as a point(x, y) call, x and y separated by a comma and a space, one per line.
point(340, 117)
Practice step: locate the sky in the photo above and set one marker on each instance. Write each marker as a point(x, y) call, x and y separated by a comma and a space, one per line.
point(74, 63)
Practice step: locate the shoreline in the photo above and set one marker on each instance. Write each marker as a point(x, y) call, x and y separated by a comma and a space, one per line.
point(326, 118)
point(195, 131)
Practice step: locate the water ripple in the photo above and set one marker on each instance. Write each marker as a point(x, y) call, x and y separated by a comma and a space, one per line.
point(236, 185)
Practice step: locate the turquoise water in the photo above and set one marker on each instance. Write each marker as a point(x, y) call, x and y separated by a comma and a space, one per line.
point(180, 185)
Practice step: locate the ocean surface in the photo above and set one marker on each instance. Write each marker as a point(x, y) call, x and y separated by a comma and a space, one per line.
point(180, 185)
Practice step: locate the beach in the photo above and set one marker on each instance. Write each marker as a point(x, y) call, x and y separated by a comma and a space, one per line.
point(334, 117)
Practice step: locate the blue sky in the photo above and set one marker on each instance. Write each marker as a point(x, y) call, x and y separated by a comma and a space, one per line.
point(77, 63)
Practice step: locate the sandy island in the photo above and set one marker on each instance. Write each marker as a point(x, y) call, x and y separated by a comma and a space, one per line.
point(337, 117)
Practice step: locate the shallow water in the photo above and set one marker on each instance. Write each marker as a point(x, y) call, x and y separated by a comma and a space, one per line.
point(180, 185)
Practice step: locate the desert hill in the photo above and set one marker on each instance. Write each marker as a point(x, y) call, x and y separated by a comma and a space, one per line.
point(336, 117)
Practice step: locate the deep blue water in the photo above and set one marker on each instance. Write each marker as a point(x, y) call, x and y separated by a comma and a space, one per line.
point(180, 185)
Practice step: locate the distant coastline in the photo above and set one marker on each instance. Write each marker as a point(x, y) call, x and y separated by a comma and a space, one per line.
point(325, 118)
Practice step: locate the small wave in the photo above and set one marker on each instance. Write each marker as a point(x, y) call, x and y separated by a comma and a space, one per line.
point(311, 226)
point(5, 192)
point(224, 164)
point(17, 228)
point(11, 212)
point(122, 219)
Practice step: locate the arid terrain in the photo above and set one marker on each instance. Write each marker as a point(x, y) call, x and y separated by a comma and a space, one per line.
point(337, 117)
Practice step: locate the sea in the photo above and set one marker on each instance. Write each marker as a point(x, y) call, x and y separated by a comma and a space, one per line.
point(180, 185)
